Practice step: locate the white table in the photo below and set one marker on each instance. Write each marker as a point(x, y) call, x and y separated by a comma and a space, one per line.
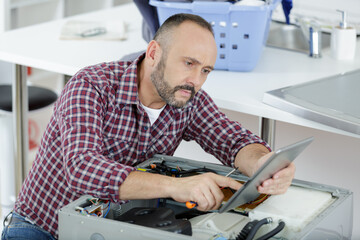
point(39, 47)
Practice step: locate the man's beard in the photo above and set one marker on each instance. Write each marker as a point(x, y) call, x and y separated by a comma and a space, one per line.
point(163, 88)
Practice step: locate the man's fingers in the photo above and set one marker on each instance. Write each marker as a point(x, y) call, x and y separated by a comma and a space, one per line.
point(219, 196)
point(202, 203)
point(209, 195)
point(209, 200)
point(287, 172)
point(227, 182)
point(280, 182)
point(273, 187)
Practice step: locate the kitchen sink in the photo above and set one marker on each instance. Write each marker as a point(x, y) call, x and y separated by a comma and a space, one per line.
point(333, 101)
point(290, 37)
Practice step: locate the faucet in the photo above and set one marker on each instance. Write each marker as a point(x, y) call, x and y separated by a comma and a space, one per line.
point(312, 33)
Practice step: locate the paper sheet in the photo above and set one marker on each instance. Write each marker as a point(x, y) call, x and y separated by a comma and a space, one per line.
point(92, 30)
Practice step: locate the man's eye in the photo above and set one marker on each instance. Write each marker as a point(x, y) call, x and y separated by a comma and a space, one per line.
point(206, 71)
point(188, 63)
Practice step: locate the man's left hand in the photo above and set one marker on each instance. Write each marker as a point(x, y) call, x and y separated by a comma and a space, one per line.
point(280, 181)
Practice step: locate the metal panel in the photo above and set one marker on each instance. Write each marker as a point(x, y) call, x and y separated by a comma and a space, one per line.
point(335, 222)
point(333, 101)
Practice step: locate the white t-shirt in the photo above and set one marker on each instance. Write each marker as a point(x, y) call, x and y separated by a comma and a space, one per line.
point(152, 113)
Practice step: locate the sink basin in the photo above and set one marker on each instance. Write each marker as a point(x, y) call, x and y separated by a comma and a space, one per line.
point(290, 37)
point(333, 101)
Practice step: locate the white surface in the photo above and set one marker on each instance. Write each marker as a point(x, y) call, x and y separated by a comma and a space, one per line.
point(19, 13)
point(73, 30)
point(208, 225)
point(276, 69)
point(297, 207)
point(7, 186)
point(5, 16)
point(39, 46)
point(323, 11)
point(343, 43)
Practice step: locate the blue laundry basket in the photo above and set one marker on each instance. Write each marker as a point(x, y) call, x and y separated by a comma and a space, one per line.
point(240, 31)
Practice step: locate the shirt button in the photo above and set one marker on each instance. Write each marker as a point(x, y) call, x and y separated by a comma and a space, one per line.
point(143, 154)
point(145, 128)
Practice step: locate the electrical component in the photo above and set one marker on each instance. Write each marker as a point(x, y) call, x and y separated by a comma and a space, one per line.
point(94, 207)
point(309, 210)
point(210, 225)
point(163, 168)
point(157, 218)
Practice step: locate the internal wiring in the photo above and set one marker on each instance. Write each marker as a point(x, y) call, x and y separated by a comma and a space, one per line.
point(162, 168)
point(108, 209)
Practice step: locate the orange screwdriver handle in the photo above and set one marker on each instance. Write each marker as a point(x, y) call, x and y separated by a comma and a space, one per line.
point(191, 204)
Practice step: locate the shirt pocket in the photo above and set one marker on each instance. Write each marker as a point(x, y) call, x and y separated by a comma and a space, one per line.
point(116, 149)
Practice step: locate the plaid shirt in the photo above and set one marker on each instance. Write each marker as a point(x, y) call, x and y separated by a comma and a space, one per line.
point(99, 132)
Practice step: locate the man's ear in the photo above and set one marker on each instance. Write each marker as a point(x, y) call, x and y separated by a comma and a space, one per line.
point(153, 53)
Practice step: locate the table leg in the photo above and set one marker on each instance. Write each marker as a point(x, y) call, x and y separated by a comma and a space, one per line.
point(267, 131)
point(20, 110)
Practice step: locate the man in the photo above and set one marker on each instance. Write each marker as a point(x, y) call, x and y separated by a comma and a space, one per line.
point(112, 116)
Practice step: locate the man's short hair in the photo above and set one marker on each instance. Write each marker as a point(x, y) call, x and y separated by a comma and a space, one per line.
point(163, 34)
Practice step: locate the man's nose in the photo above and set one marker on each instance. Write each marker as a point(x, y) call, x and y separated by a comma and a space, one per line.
point(195, 78)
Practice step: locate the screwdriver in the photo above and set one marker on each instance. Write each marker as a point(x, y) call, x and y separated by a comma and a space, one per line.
point(192, 204)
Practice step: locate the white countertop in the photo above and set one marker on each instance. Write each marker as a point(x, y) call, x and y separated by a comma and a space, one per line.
point(39, 47)
point(243, 91)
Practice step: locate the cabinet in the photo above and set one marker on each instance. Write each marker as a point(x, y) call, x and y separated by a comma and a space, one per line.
point(21, 13)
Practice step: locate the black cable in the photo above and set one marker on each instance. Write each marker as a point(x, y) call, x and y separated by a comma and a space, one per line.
point(257, 226)
point(195, 170)
point(162, 168)
point(273, 232)
point(246, 230)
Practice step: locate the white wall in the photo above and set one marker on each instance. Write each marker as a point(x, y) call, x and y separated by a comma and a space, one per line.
point(7, 72)
point(331, 159)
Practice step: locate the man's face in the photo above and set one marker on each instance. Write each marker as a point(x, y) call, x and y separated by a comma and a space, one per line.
point(167, 92)
point(184, 66)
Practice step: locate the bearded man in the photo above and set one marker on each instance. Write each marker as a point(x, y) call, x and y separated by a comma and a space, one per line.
point(112, 116)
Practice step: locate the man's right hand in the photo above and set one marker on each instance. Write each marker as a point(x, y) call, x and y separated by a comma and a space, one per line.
point(204, 189)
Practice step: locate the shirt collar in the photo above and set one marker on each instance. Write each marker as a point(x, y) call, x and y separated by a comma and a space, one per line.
point(127, 92)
